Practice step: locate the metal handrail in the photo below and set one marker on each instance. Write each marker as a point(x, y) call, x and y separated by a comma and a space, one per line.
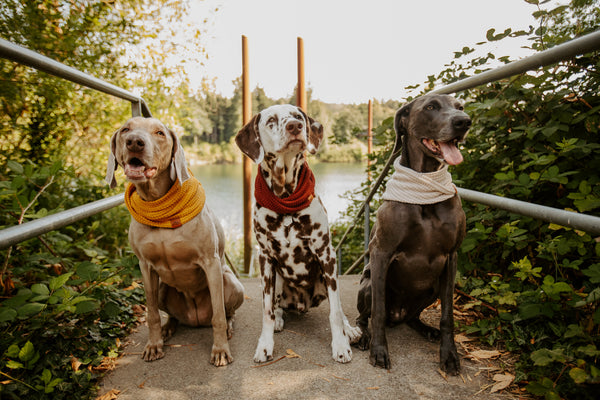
point(24, 56)
point(564, 51)
point(18, 233)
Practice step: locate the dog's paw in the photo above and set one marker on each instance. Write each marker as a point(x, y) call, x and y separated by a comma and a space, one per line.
point(449, 360)
point(341, 351)
point(380, 357)
point(153, 351)
point(230, 327)
point(264, 350)
point(168, 329)
point(363, 341)
point(279, 320)
point(354, 333)
point(220, 355)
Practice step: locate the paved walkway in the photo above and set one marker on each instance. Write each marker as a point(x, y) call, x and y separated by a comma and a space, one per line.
point(186, 374)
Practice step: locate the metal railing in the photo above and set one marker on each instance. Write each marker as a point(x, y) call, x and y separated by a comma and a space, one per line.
point(583, 222)
point(18, 233)
point(585, 44)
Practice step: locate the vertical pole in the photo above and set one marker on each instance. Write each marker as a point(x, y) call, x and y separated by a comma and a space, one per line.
point(301, 89)
point(247, 163)
point(369, 151)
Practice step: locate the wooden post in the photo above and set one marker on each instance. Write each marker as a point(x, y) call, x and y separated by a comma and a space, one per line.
point(301, 88)
point(370, 132)
point(369, 151)
point(247, 163)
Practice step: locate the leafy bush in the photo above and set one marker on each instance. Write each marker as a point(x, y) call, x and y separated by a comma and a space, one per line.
point(535, 137)
point(67, 295)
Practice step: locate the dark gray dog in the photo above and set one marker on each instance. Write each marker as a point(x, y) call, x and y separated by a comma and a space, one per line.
point(414, 240)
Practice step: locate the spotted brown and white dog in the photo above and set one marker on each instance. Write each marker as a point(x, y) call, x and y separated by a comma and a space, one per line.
point(297, 260)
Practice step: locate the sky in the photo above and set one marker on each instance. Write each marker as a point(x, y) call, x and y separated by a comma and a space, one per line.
point(354, 50)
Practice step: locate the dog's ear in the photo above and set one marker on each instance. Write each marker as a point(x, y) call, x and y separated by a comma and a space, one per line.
point(112, 164)
point(401, 119)
point(401, 124)
point(315, 133)
point(248, 140)
point(178, 167)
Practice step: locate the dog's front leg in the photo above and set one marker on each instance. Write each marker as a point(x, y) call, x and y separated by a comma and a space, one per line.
point(220, 354)
point(380, 260)
point(264, 349)
point(154, 346)
point(449, 360)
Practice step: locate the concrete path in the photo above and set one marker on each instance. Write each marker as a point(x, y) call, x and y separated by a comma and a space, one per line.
point(186, 374)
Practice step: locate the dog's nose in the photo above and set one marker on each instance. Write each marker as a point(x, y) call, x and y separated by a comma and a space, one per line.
point(294, 127)
point(135, 144)
point(461, 123)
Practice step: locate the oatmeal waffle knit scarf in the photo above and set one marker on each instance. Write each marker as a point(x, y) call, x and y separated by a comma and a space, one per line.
point(409, 186)
point(297, 201)
point(178, 206)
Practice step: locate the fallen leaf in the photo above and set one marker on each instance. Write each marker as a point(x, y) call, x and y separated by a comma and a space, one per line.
point(111, 395)
point(502, 381)
point(75, 363)
point(460, 338)
point(484, 354)
point(443, 374)
point(292, 354)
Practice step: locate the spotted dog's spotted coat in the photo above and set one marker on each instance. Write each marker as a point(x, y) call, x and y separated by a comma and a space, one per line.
point(297, 261)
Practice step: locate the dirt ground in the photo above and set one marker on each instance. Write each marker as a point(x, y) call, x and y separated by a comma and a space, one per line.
point(302, 367)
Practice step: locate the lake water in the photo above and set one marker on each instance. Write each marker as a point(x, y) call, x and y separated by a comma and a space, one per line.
point(223, 186)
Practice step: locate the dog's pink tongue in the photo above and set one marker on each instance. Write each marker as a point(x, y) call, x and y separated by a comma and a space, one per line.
point(451, 153)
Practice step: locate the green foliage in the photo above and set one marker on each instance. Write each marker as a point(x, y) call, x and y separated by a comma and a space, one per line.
point(67, 294)
point(535, 137)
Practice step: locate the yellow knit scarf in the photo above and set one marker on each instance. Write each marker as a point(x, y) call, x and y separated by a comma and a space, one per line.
point(178, 206)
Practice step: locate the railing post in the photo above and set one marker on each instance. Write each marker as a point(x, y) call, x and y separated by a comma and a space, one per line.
point(247, 164)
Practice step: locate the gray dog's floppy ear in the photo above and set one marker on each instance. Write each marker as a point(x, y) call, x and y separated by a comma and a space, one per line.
point(112, 165)
point(401, 124)
point(178, 163)
point(248, 140)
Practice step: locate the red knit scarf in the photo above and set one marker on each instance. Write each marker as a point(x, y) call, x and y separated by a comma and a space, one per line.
point(299, 200)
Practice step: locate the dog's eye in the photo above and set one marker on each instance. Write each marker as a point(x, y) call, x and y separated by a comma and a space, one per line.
point(160, 133)
point(125, 130)
point(431, 107)
point(461, 108)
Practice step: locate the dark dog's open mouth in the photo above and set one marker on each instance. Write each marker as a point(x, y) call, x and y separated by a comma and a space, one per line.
point(448, 151)
point(135, 169)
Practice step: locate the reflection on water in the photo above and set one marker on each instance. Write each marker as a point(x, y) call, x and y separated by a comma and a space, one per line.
point(223, 186)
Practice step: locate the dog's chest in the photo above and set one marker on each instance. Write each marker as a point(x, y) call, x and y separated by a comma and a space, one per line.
point(296, 241)
point(175, 256)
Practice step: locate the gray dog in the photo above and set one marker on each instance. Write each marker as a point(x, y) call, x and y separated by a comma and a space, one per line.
point(419, 227)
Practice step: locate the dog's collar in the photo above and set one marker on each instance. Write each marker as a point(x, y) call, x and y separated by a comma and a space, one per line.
point(178, 206)
point(297, 201)
point(409, 186)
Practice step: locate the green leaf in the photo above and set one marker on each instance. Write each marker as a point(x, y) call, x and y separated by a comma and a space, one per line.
point(578, 375)
point(59, 281)
point(7, 314)
point(13, 351)
point(14, 364)
point(545, 357)
point(27, 352)
point(46, 376)
point(86, 306)
point(30, 309)
point(593, 272)
point(88, 271)
point(15, 167)
point(40, 288)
